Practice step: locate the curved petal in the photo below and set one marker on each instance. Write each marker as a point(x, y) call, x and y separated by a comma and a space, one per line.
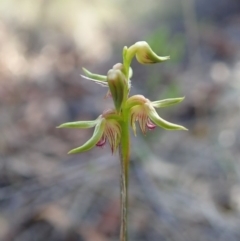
point(153, 115)
point(97, 134)
point(102, 83)
point(79, 124)
point(167, 102)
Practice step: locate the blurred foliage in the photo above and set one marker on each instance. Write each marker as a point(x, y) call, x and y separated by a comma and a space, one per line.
point(161, 82)
point(166, 43)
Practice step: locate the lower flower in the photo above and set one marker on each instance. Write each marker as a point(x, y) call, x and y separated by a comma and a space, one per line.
point(107, 128)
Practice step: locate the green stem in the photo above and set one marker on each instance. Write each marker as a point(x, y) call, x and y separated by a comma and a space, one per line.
point(124, 151)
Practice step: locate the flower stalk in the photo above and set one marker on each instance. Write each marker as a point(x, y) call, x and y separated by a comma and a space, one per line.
point(113, 125)
point(124, 153)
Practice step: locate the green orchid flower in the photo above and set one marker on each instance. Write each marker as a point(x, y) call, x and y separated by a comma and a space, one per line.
point(143, 111)
point(107, 128)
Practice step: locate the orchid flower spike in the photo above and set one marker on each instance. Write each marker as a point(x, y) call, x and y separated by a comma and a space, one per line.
point(143, 111)
point(107, 128)
point(111, 124)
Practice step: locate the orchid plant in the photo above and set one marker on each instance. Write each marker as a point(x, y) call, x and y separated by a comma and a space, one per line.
point(112, 125)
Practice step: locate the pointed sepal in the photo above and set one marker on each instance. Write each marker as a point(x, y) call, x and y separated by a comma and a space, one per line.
point(94, 76)
point(156, 119)
point(79, 124)
point(167, 102)
point(97, 134)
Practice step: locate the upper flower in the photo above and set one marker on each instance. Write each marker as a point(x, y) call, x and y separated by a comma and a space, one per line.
point(144, 54)
point(107, 128)
point(143, 111)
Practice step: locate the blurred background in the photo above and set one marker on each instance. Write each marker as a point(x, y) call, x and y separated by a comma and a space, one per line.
point(184, 186)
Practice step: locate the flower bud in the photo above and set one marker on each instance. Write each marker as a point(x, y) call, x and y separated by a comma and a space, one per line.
point(144, 54)
point(117, 85)
point(118, 66)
